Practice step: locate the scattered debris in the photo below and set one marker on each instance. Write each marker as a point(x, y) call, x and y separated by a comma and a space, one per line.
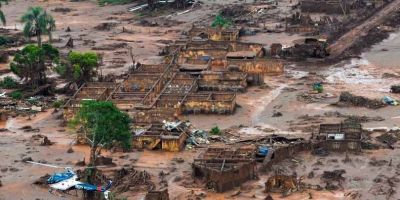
point(348, 99)
point(127, 179)
point(42, 181)
point(105, 26)
point(39, 139)
point(101, 160)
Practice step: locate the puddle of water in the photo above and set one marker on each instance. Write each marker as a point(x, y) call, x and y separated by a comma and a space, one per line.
point(352, 73)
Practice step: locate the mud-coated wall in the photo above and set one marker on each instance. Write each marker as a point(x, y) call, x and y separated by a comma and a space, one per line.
point(198, 53)
point(174, 144)
point(227, 179)
point(207, 106)
point(265, 66)
point(285, 152)
point(340, 146)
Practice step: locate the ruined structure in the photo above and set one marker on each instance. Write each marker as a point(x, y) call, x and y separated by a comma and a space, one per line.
point(155, 136)
point(325, 6)
point(282, 184)
point(197, 76)
point(214, 34)
point(339, 137)
point(98, 91)
point(157, 195)
point(222, 169)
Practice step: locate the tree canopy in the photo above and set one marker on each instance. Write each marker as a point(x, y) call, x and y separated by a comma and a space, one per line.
point(83, 65)
point(2, 16)
point(103, 125)
point(30, 63)
point(38, 22)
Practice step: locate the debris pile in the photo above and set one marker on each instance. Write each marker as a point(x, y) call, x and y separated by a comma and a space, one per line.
point(395, 89)
point(101, 160)
point(282, 184)
point(105, 26)
point(197, 137)
point(127, 179)
point(348, 99)
point(384, 185)
point(335, 175)
point(42, 181)
point(388, 139)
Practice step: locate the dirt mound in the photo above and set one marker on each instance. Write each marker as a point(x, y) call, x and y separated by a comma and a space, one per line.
point(110, 47)
point(127, 179)
point(62, 9)
point(41, 140)
point(348, 99)
point(105, 26)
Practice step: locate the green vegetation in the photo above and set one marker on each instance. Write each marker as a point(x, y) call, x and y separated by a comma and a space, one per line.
point(113, 2)
point(30, 63)
point(221, 22)
point(4, 40)
point(83, 65)
point(17, 95)
point(103, 126)
point(8, 83)
point(2, 16)
point(215, 131)
point(58, 103)
point(38, 22)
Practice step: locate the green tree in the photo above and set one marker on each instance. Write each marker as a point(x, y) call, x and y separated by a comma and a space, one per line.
point(2, 16)
point(103, 126)
point(38, 22)
point(83, 65)
point(30, 63)
point(221, 22)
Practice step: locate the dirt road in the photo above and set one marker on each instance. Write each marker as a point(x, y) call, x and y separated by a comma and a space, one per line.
point(348, 39)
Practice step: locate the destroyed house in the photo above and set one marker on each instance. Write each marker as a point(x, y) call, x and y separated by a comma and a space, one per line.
point(339, 137)
point(159, 137)
point(280, 148)
point(222, 169)
point(98, 91)
point(223, 81)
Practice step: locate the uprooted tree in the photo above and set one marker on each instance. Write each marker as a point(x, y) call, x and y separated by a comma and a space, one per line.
point(2, 16)
point(38, 22)
point(30, 64)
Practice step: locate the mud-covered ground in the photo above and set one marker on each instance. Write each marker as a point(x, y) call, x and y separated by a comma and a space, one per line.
point(371, 76)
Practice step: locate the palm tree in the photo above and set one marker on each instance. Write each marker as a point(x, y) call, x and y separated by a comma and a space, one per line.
point(2, 16)
point(50, 26)
point(37, 22)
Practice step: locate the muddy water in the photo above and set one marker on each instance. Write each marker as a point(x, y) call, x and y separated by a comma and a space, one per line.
point(387, 53)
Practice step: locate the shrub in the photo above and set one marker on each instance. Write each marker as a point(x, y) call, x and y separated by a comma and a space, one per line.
point(58, 103)
point(215, 131)
point(16, 95)
point(8, 83)
point(4, 40)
